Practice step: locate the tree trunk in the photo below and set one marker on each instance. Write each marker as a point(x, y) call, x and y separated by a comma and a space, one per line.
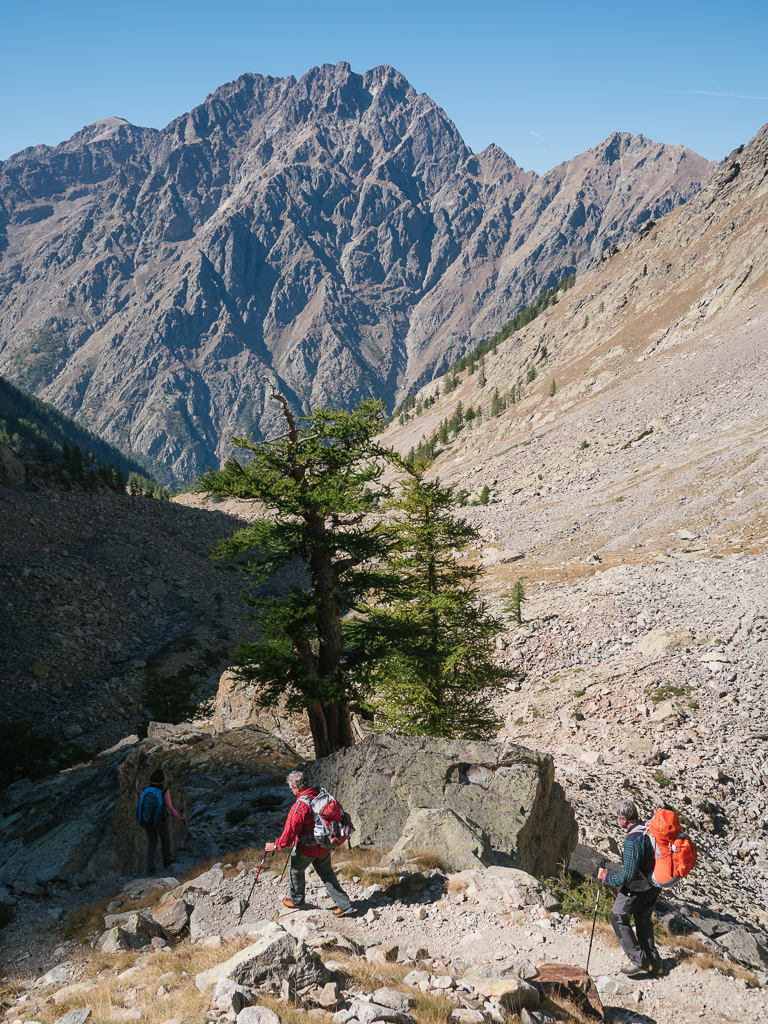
point(331, 726)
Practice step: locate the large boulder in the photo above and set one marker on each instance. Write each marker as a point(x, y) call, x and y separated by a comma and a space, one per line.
point(507, 790)
point(459, 842)
point(275, 957)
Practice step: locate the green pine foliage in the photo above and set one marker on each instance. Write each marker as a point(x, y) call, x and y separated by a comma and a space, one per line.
point(424, 649)
point(515, 606)
point(485, 495)
point(143, 487)
point(530, 377)
point(547, 298)
point(26, 753)
point(47, 436)
point(317, 483)
point(481, 381)
point(552, 388)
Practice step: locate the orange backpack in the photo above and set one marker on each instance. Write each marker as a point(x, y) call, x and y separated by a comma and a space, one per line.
point(675, 852)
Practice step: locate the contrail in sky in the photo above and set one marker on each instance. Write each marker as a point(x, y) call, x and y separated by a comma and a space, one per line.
point(704, 92)
point(540, 137)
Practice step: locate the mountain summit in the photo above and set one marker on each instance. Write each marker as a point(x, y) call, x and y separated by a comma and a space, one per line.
point(334, 232)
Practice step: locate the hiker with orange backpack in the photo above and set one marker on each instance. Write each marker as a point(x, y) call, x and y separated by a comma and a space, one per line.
point(657, 855)
point(314, 825)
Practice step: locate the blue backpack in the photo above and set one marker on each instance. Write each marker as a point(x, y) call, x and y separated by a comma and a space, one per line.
point(149, 809)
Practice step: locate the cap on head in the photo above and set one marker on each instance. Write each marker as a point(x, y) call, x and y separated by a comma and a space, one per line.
point(157, 776)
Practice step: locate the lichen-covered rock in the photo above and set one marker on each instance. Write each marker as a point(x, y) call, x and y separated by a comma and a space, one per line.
point(459, 842)
point(275, 957)
point(135, 933)
point(507, 790)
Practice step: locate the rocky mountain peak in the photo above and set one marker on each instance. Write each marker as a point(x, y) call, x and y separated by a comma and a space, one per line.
point(333, 231)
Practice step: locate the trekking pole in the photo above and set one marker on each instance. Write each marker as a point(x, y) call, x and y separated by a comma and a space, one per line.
point(594, 919)
point(286, 862)
point(248, 901)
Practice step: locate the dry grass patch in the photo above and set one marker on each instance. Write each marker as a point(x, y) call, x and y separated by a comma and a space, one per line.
point(84, 921)
point(605, 931)
point(182, 1000)
point(432, 1009)
point(367, 976)
point(250, 856)
point(426, 860)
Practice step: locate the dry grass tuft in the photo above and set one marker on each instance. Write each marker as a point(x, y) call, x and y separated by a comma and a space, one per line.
point(431, 1009)
point(249, 855)
point(426, 860)
point(457, 884)
point(369, 976)
point(566, 1010)
point(605, 931)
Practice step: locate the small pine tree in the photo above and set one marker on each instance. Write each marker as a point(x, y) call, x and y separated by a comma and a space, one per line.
point(442, 433)
point(585, 325)
point(496, 403)
point(469, 415)
point(512, 396)
point(515, 606)
point(531, 375)
point(481, 381)
point(552, 388)
point(425, 650)
point(485, 495)
point(645, 270)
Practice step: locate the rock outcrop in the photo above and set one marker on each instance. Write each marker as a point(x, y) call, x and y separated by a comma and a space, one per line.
point(81, 824)
point(334, 232)
point(236, 705)
point(507, 791)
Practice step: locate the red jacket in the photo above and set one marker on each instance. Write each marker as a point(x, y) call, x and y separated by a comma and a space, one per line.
point(300, 821)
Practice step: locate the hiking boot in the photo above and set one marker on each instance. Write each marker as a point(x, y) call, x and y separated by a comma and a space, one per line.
point(338, 912)
point(288, 902)
point(631, 970)
point(656, 970)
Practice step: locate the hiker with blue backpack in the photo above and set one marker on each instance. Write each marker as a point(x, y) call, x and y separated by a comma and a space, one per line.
point(315, 824)
point(152, 812)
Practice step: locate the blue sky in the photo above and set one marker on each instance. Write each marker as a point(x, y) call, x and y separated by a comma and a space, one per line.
point(544, 81)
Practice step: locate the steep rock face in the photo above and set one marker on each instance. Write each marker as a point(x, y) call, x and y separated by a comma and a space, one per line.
point(334, 232)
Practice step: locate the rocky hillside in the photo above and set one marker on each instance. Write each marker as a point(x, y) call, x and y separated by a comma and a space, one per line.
point(335, 232)
point(632, 502)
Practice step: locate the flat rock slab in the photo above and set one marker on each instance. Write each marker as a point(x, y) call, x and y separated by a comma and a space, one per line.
point(74, 1017)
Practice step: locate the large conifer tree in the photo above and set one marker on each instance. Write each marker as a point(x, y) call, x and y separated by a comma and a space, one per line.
point(424, 646)
point(317, 483)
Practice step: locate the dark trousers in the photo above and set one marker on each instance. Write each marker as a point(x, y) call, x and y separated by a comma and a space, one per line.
point(639, 945)
point(153, 834)
point(324, 869)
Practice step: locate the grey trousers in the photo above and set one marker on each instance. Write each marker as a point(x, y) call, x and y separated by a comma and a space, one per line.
point(639, 945)
point(324, 869)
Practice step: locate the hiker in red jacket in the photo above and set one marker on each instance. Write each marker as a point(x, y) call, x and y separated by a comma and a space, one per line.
point(299, 833)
